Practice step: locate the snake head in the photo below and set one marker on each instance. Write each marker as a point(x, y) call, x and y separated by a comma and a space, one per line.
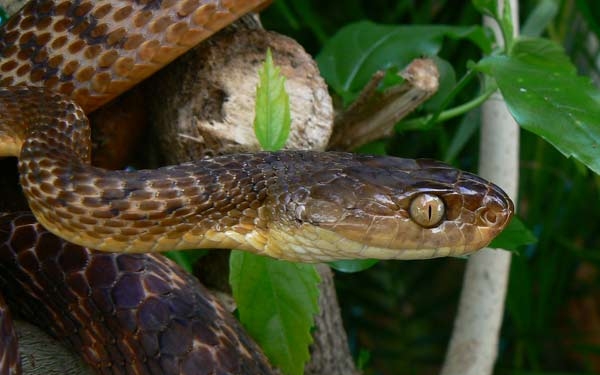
point(392, 208)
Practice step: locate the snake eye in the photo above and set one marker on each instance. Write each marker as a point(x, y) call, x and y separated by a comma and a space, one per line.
point(427, 210)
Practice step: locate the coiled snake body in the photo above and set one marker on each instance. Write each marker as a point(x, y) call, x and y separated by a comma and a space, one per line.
point(294, 205)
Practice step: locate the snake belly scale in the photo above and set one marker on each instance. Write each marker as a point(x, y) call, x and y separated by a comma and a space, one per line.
point(295, 205)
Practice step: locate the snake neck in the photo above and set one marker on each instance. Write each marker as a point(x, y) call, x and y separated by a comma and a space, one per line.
point(234, 201)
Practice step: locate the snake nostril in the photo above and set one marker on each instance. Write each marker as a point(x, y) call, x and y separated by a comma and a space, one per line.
point(490, 217)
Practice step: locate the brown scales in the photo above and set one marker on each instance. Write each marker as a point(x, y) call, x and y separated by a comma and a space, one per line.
point(151, 316)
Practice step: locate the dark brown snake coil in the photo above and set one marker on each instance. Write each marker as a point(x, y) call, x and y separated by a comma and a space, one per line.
point(138, 313)
point(127, 313)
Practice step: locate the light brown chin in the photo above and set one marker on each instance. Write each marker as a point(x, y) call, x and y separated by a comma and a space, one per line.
point(312, 244)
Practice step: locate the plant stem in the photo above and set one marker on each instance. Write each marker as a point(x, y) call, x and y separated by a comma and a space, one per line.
point(425, 122)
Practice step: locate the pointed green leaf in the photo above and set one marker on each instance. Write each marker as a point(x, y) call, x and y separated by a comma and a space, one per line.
point(545, 96)
point(272, 121)
point(277, 301)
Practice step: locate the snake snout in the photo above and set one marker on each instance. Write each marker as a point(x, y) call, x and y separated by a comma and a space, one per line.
point(496, 212)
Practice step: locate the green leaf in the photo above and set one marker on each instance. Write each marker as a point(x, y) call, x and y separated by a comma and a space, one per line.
point(545, 96)
point(277, 301)
point(356, 52)
point(513, 236)
point(543, 54)
point(446, 85)
point(272, 121)
point(540, 18)
point(487, 7)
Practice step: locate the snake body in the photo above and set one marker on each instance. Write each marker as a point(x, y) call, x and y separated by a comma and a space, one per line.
point(295, 205)
point(125, 313)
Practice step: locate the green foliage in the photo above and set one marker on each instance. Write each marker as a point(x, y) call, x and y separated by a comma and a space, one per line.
point(487, 7)
point(272, 121)
point(545, 96)
point(351, 56)
point(276, 303)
